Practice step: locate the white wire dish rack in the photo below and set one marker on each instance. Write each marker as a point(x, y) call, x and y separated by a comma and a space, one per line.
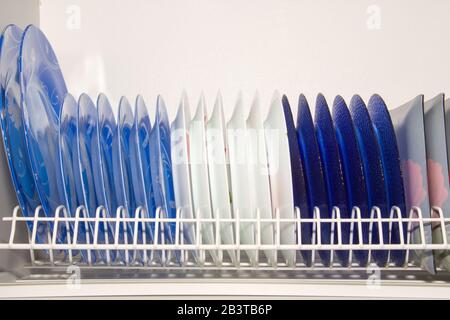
point(197, 255)
point(29, 268)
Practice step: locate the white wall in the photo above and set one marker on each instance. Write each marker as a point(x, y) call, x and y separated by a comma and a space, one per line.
point(124, 47)
point(19, 12)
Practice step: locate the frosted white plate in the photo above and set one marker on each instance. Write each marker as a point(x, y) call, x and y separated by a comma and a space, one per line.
point(199, 172)
point(181, 168)
point(437, 169)
point(219, 176)
point(240, 185)
point(259, 175)
point(408, 121)
point(280, 173)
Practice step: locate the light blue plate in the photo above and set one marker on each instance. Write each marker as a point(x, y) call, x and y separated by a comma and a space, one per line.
point(42, 92)
point(332, 171)
point(373, 172)
point(390, 157)
point(298, 180)
point(315, 183)
point(141, 170)
point(92, 170)
point(112, 172)
point(352, 170)
point(128, 161)
point(125, 125)
point(120, 173)
point(13, 130)
point(69, 164)
point(161, 168)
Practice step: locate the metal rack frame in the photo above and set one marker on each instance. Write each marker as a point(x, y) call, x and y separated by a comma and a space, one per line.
point(165, 261)
point(43, 275)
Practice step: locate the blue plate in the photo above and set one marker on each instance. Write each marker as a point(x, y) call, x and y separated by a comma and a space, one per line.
point(161, 168)
point(140, 170)
point(373, 171)
point(315, 184)
point(143, 127)
point(128, 162)
point(13, 131)
point(390, 158)
point(121, 164)
point(70, 166)
point(92, 170)
point(352, 170)
point(112, 173)
point(298, 180)
point(332, 171)
point(42, 89)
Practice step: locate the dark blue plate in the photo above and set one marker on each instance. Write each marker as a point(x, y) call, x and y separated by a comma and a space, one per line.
point(373, 172)
point(315, 184)
point(390, 158)
point(353, 171)
point(43, 90)
point(332, 171)
point(112, 173)
point(161, 167)
point(92, 170)
point(298, 180)
point(13, 131)
point(70, 166)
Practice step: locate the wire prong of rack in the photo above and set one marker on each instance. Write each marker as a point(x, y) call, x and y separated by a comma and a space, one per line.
point(257, 236)
point(238, 238)
point(440, 215)
point(218, 239)
point(299, 228)
point(277, 233)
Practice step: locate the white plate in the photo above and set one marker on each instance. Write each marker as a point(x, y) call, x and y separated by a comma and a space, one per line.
point(240, 184)
point(259, 175)
point(181, 169)
point(280, 173)
point(219, 175)
point(199, 173)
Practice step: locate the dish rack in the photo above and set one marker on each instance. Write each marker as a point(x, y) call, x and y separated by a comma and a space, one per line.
point(41, 265)
point(166, 260)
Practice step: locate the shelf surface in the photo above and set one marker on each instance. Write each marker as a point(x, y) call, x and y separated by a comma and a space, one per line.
point(226, 288)
point(318, 284)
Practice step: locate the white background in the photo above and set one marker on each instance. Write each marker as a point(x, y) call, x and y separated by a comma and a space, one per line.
point(127, 47)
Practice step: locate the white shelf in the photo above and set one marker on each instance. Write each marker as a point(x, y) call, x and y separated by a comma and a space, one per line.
point(213, 288)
